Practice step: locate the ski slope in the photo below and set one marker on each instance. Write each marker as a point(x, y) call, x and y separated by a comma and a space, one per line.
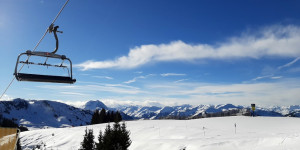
point(252, 133)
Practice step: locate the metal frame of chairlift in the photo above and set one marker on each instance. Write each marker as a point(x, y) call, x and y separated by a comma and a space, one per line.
point(45, 78)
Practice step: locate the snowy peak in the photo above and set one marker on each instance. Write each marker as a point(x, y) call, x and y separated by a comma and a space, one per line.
point(93, 105)
point(139, 112)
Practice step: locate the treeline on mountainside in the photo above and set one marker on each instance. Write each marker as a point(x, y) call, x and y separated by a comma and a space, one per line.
point(113, 138)
point(4, 122)
point(105, 117)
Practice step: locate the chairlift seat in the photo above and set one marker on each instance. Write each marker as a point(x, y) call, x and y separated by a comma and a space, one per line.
point(44, 78)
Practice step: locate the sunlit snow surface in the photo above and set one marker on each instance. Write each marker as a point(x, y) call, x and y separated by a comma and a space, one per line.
point(252, 133)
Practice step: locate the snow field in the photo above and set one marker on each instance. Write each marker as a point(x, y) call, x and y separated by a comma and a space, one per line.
point(252, 133)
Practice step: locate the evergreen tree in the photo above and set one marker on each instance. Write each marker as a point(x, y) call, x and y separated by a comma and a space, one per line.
point(125, 141)
point(117, 117)
point(102, 116)
point(107, 140)
point(95, 117)
point(116, 138)
point(88, 140)
point(98, 117)
point(99, 145)
point(107, 118)
point(112, 117)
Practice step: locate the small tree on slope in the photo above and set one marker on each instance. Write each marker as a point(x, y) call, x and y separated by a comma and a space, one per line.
point(88, 140)
point(116, 138)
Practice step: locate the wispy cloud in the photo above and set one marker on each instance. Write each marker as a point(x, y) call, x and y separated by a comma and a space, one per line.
point(263, 93)
point(92, 87)
point(134, 79)
point(73, 93)
point(262, 77)
point(277, 92)
point(289, 64)
point(282, 41)
point(172, 74)
point(181, 80)
point(103, 77)
point(138, 72)
point(267, 77)
point(139, 77)
point(276, 77)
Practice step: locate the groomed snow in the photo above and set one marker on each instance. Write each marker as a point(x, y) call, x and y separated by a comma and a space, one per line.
point(252, 133)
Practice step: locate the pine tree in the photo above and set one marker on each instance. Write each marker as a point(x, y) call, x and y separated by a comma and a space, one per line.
point(107, 138)
point(99, 145)
point(107, 118)
point(88, 140)
point(102, 116)
point(116, 135)
point(116, 138)
point(95, 117)
point(117, 117)
point(125, 141)
point(112, 117)
point(98, 117)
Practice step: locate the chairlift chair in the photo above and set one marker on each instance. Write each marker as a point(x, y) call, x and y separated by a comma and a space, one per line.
point(45, 78)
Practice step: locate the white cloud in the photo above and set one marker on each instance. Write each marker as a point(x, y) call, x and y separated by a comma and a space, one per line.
point(103, 77)
point(280, 41)
point(277, 92)
point(134, 79)
point(276, 77)
point(262, 77)
point(92, 87)
point(172, 74)
point(267, 76)
point(121, 102)
point(6, 97)
point(73, 93)
point(181, 80)
point(290, 63)
point(139, 77)
point(280, 92)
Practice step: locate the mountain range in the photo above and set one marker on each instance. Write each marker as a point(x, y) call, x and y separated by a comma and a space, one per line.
point(45, 113)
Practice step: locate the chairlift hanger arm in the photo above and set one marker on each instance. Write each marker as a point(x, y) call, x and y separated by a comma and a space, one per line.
point(53, 29)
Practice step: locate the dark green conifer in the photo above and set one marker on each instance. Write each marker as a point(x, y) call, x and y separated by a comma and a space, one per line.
point(88, 140)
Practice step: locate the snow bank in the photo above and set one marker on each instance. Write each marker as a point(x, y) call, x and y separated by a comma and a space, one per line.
point(258, 133)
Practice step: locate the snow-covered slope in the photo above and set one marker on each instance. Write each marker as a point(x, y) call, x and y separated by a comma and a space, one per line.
point(43, 113)
point(252, 133)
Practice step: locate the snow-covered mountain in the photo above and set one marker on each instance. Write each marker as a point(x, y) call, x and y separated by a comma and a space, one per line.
point(93, 105)
point(44, 113)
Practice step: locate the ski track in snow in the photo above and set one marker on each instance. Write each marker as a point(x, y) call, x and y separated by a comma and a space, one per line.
point(252, 133)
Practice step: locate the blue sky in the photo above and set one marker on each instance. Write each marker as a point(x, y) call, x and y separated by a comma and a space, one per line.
point(169, 52)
